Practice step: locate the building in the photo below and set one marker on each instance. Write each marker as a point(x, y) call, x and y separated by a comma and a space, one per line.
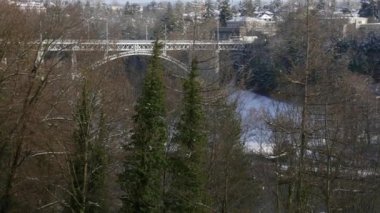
point(30, 6)
point(360, 26)
point(246, 26)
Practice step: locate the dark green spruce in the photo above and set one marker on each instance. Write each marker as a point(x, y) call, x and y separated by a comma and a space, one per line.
point(142, 180)
point(225, 12)
point(185, 190)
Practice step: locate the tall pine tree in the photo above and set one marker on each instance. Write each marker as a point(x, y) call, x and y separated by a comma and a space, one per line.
point(142, 180)
point(185, 193)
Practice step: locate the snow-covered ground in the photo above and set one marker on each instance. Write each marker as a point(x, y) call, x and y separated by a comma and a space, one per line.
point(255, 111)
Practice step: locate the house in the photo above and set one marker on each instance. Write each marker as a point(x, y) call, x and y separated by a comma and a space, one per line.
point(264, 23)
point(360, 26)
point(266, 16)
point(32, 5)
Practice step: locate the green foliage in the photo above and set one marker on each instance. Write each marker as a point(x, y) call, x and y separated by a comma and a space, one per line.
point(169, 18)
point(262, 74)
point(141, 180)
point(369, 9)
point(172, 19)
point(87, 165)
point(363, 53)
point(187, 161)
point(225, 12)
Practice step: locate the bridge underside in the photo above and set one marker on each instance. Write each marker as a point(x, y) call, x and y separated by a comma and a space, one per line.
point(115, 56)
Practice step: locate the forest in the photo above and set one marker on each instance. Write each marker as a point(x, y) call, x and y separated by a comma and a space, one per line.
point(138, 134)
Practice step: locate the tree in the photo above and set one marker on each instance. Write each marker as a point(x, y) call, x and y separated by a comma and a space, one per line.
point(230, 183)
point(225, 12)
point(260, 72)
point(209, 13)
point(169, 19)
point(247, 8)
point(363, 54)
point(88, 163)
point(257, 3)
point(369, 9)
point(127, 9)
point(187, 161)
point(141, 179)
point(179, 9)
point(21, 102)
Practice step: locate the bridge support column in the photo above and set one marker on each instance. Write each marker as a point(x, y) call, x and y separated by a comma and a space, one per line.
point(4, 61)
point(164, 50)
point(40, 57)
point(74, 62)
point(74, 66)
point(217, 61)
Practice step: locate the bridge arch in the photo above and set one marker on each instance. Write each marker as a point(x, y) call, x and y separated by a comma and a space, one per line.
point(109, 58)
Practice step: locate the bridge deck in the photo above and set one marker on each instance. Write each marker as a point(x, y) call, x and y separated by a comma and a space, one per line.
point(142, 45)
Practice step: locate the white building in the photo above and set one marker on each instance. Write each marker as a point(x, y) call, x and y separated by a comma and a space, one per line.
point(30, 6)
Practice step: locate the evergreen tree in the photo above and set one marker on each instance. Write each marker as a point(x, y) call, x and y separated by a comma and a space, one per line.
point(247, 8)
point(225, 12)
point(369, 9)
point(127, 8)
point(145, 161)
point(257, 4)
point(169, 19)
point(187, 161)
point(87, 166)
point(209, 13)
point(321, 5)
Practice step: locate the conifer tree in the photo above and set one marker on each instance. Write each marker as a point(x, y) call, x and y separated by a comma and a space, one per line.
point(87, 165)
point(185, 193)
point(225, 12)
point(169, 19)
point(247, 8)
point(142, 179)
point(209, 10)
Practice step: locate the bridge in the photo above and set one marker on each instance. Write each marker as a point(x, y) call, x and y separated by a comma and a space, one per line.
point(115, 49)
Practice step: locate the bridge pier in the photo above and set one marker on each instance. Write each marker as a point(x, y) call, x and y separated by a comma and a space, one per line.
point(217, 65)
point(74, 62)
point(40, 57)
point(74, 66)
point(4, 61)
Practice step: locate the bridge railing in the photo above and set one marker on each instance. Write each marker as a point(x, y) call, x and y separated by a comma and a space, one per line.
point(132, 45)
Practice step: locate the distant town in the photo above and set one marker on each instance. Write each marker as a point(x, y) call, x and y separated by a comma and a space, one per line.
point(244, 19)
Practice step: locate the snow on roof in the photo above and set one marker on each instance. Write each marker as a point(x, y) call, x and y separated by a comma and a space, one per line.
point(268, 12)
point(265, 16)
